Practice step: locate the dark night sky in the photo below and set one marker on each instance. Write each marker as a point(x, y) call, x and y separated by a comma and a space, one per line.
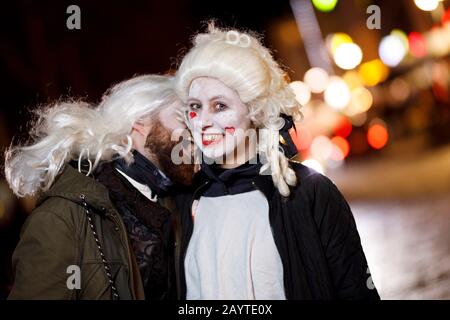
point(41, 60)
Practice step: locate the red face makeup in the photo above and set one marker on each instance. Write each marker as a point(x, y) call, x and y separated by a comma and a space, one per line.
point(230, 130)
point(192, 114)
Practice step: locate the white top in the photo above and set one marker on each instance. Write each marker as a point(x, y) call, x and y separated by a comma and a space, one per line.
point(232, 254)
point(142, 188)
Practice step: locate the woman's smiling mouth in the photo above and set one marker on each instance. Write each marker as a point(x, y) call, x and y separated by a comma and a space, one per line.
point(211, 138)
point(215, 138)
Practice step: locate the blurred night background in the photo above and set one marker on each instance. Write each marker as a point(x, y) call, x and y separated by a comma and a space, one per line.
point(375, 94)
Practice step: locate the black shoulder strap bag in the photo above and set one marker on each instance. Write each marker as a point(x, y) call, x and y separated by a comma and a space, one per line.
point(106, 265)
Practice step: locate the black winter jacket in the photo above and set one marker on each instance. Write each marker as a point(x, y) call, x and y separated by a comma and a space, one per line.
point(313, 229)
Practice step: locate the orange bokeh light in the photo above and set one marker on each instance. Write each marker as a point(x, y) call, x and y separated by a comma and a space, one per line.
point(377, 136)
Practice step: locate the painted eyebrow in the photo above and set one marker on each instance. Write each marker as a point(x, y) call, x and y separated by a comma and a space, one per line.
point(218, 98)
point(190, 100)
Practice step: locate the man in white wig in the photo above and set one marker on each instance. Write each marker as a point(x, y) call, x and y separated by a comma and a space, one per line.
point(100, 174)
point(259, 225)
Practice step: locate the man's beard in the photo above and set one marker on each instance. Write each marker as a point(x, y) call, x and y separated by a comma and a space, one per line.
point(159, 145)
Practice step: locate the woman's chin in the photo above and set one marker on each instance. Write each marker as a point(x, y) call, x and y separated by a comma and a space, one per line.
point(215, 154)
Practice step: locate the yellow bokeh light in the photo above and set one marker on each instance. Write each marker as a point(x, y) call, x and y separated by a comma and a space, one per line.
point(373, 72)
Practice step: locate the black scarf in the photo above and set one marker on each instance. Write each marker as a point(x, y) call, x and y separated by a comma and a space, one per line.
point(144, 171)
point(230, 181)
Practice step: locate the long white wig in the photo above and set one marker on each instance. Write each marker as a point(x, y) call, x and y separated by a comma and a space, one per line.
point(76, 130)
point(242, 63)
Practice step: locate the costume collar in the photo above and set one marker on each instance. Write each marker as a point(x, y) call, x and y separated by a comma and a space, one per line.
point(241, 179)
point(215, 172)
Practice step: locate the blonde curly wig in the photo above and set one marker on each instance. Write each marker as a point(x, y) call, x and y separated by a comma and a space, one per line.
point(76, 130)
point(241, 62)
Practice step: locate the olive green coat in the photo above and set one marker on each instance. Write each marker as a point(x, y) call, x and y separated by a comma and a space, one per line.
point(57, 236)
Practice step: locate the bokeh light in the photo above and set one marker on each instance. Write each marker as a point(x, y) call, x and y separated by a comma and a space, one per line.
point(325, 5)
point(341, 149)
point(321, 147)
point(358, 119)
point(402, 36)
point(352, 79)
point(417, 45)
point(446, 17)
point(361, 101)
point(303, 138)
point(337, 94)
point(377, 135)
point(438, 40)
point(343, 128)
point(392, 50)
point(301, 91)
point(399, 90)
point(427, 5)
point(348, 56)
point(316, 79)
point(373, 72)
point(336, 39)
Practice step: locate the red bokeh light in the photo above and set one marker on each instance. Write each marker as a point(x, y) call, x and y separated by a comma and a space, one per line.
point(343, 128)
point(417, 45)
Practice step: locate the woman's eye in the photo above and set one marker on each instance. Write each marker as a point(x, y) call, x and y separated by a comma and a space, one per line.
point(220, 106)
point(194, 106)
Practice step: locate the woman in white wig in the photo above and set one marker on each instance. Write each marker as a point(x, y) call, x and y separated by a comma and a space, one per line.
point(258, 226)
point(99, 230)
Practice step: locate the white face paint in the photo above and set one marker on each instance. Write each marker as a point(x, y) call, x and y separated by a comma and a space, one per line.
point(218, 119)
